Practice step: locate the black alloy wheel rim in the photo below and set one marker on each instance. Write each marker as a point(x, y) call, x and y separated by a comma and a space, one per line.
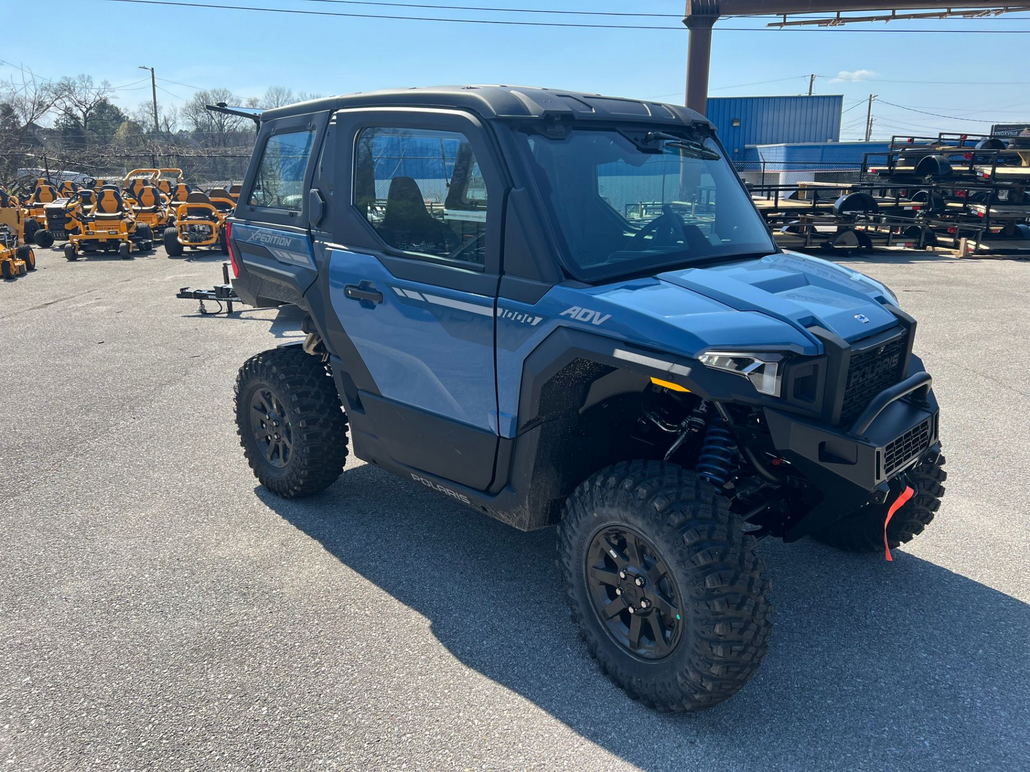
point(271, 427)
point(633, 593)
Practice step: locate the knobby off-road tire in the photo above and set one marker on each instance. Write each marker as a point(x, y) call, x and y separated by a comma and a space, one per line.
point(305, 409)
point(862, 530)
point(713, 578)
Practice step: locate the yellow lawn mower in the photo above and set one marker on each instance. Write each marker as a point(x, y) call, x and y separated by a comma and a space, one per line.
point(152, 208)
point(199, 224)
point(15, 259)
point(64, 217)
point(110, 226)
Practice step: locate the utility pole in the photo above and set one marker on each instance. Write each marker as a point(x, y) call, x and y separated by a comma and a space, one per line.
point(869, 118)
point(153, 90)
point(811, 85)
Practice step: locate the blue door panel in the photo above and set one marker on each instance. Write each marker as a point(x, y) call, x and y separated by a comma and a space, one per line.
point(425, 346)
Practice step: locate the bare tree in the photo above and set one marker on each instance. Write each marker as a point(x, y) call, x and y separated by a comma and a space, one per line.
point(277, 96)
point(25, 102)
point(80, 97)
point(168, 118)
point(217, 127)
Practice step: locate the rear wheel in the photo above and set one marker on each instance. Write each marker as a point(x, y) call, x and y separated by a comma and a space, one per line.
point(223, 242)
point(29, 233)
point(171, 240)
point(290, 422)
point(7, 270)
point(145, 236)
point(862, 530)
point(664, 584)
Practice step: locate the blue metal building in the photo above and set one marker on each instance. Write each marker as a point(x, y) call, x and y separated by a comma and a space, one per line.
point(773, 120)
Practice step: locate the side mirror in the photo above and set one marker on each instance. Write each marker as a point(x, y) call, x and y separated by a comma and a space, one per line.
point(316, 207)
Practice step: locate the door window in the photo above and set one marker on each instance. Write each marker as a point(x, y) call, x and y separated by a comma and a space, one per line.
point(423, 192)
point(280, 177)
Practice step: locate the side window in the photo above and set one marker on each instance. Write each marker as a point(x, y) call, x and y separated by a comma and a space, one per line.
point(280, 178)
point(423, 192)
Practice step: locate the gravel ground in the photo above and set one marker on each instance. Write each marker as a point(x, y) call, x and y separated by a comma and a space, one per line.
point(158, 610)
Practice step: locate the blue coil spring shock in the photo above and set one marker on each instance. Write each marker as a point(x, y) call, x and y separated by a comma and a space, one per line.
point(718, 454)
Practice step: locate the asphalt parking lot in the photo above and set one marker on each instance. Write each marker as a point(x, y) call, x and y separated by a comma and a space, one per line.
point(161, 611)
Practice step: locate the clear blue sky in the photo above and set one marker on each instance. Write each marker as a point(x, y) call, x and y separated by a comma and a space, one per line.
point(951, 74)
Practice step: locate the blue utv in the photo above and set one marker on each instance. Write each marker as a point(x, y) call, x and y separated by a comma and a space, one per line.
point(562, 309)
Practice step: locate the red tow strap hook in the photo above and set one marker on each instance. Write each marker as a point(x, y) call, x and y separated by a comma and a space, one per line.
point(901, 501)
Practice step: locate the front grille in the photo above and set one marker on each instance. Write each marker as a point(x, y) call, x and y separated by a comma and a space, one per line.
point(906, 447)
point(870, 372)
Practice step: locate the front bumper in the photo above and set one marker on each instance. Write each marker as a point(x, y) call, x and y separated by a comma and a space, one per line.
point(848, 466)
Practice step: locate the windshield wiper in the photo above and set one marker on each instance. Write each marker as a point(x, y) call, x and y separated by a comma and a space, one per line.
point(649, 142)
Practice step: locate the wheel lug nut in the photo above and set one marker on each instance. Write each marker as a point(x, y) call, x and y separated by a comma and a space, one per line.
point(639, 581)
point(618, 591)
point(645, 604)
point(622, 574)
point(632, 610)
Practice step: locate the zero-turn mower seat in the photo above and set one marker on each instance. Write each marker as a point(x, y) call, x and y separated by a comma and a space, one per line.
point(221, 200)
point(135, 186)
point(109, 205)
point(181, 192)
point(234, 191)
point(198, 212)
point(165, 187)
point(148, 199)
point(44, 194)
point(407, 223)
point(87, 198)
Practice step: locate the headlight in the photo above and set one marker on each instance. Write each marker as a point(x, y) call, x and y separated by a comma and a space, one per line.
point(764, 370)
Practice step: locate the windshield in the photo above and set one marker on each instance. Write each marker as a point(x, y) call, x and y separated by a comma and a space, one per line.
point(632, 201)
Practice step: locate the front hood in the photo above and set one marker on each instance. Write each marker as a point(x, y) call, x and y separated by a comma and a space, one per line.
point(800, 290)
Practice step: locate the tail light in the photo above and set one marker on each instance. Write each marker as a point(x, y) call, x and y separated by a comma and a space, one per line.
point(952, 230)
point(967, 156)
point(232, 253)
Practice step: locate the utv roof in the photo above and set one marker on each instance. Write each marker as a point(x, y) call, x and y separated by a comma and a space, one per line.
point(507, 103)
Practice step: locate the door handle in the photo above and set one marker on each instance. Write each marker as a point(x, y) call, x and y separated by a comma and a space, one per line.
point(366, 291)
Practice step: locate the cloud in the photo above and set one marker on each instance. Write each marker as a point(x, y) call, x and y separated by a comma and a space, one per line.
point(853, 76)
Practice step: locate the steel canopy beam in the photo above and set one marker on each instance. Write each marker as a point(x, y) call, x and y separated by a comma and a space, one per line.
point(778, 7)
point(700, 17)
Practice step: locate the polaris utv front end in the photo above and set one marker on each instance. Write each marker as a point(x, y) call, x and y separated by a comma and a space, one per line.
point(563, 309)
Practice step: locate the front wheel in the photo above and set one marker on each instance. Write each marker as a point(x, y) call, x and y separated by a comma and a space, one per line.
point(664, 584)
point(290, 422)
point(69, 252)
point(125, 252)
point(44, 238)
point(862, 530)
point(26, 254)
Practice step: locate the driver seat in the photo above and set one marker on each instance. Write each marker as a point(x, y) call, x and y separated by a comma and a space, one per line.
point(109, 205)
point(407, 223)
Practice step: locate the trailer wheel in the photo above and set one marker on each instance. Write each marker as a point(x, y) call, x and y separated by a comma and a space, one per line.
point(44, 238)
point(70, 253)
point(171, 240)
point(26, 254)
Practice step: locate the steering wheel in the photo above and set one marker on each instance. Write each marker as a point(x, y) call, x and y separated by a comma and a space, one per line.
point(665, 231)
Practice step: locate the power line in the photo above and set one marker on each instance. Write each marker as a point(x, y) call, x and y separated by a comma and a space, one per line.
point(935, 115)
point(567, 25)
